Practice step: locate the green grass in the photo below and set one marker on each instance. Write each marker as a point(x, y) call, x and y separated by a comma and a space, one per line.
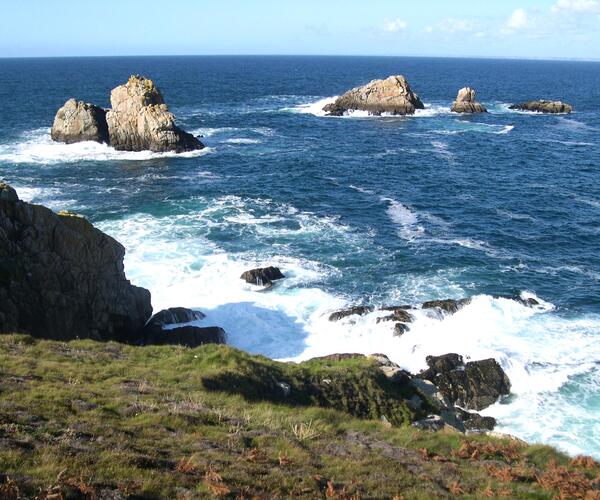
point(86, 418)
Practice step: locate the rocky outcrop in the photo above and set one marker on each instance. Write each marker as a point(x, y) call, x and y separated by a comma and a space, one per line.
point(140, 120)
point(189, 336)
point(474, 385)
point(353, 311)
point(392, 95)
point(449, 306)
point(465, 102)
point(262, 276)
point(543, 106)
point(78, 121)
point(61, 278)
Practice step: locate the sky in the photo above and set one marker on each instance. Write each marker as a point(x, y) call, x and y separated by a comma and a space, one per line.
point(547, 29)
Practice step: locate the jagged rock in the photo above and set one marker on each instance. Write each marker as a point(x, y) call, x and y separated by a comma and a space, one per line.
point(140, 120)
point(61, 278)
point(78, 121)
point(474, 385)
point(543, 106)
point(476, 422)
point(262, 276)
point(174, 316)
point(400, 329)
point(399, 315)
point(392, 95)
point(448, 305)
point(465, 102)
point(430, 393)
point(357, 310)
point(190, 336)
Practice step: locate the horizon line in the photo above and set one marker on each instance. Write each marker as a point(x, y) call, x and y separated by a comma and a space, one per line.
point(509, 58)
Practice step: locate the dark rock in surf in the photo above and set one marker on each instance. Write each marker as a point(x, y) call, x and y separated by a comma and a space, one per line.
point(543, 106)
point(189, 336)
point(465, 102)
point(353, 311)
point(174, 316)
point(61, 278)
point(474, 385)
point(392, 95)
point(262, 276)
point(448, 305)
point(78, 121)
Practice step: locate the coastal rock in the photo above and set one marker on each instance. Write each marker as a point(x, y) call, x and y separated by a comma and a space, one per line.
point(353, 311)
point(140, 120)
point(449, 306)
point(189, 336)
point(392, 95)
point(78, 121)
point(174, 316)
point(474, 385)
point(465, 102)
point(262, 276)
point(338, 357)
point(543, 106)
point(61, 278)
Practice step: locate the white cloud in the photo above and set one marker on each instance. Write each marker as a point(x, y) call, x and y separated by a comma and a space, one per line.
point(517, 20)
point(394, 25)
point(576, 6)
point(452, 26)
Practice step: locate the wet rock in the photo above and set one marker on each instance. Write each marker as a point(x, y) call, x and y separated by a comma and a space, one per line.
point(78, 121)
point(140, 120)
point(448, 305)
point(400, 329)
point(174, 316)
point(392, 95)
point(475, 422)
point(262, 276)
point(474, 385)
point(190, 336)
point(465, 102)
point(357, 310)
point(399, 315)
point(543, 106)
point(61, 278)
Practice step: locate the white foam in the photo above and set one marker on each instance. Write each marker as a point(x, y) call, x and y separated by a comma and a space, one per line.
point(506, 130)
point(242, 140)
point(433, 110)
point(361, 189)
point(38, 147)
point(404, 217)
point(314, 108)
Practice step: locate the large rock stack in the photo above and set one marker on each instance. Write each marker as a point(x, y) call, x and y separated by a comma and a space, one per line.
point(392, 95)
point(61, 278)
point(465, 102)
point(139, 120)
point(543, 106)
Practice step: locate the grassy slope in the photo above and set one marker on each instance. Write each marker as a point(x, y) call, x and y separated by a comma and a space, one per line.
point(85, 418)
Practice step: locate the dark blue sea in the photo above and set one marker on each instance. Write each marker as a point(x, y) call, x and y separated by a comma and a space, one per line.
point(354, 210)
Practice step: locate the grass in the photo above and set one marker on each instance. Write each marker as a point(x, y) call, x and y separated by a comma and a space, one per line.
point(85, 420)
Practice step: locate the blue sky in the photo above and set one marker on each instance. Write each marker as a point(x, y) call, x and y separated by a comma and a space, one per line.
point(562, 29)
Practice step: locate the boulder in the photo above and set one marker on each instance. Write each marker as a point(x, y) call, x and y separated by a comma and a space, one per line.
point(189, 336)
point(465, 102)
point(61, 278)
point(174, 316)
point(449, 306)
point(140, 120)
point(78, 121)
point(262, 276)
point(392, 95)
point(399, 314)
point(543, 106)
point(474, 385)
point(353, 311)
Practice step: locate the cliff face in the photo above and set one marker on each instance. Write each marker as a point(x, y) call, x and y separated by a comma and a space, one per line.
point(61, 278)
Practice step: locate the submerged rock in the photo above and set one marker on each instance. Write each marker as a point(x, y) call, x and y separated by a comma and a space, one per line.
point(174, 316)
point(78, 121)
point(61, 278)
point(262, 276)
point(189, 336)
point(474, 385)
point(353, 311)
point(140, 120)
point(392, 95)
point(465, 102)
point(543, 106)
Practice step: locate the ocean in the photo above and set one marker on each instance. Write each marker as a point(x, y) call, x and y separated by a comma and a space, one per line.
point(354, 210)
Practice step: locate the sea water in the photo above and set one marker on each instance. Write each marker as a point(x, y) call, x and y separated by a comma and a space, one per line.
point(354, 210)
